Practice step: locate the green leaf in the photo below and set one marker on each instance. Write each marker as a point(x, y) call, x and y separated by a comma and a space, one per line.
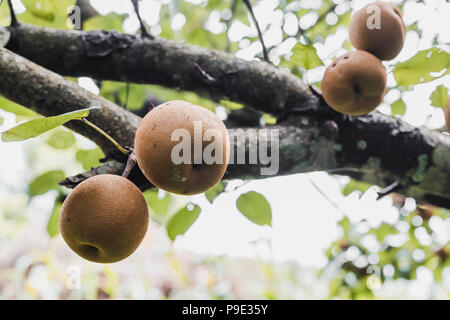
point(305, 56)
point(35, 127)
point(89, 158)
point(426, 65)
point(61, 139)
point(439, 97)
point(158, 205)
point(110, 22)
point(44, 9)
point(255, 208)
point(398, 108)
point(231, 105)
point(182, 221)
point(215, 191)
point(53, 221)
point(45, 182)
point(269, 119)
point(1, 120)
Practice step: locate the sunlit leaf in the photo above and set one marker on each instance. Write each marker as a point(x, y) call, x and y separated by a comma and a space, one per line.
point(22, 113)
point(353, 185)
point(35, 127)
point(45, 182)
point(305, 56)
point(255, 208)
point(47, 13)
point(439, 97)
point(215, 191)
point(398, 108)
point(181, 221)
point(426, 65)
point(231, 105)
point(157, 204)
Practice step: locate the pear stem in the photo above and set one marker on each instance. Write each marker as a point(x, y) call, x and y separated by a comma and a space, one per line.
point(107, 136)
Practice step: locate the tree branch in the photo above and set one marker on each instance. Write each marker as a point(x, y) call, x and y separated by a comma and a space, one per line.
point(248, 4)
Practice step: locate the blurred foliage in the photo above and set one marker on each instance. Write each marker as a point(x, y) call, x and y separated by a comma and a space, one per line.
point(398, 107)
point(366, 256)
point(439, 97)
point(361, 263)
point(36, 127)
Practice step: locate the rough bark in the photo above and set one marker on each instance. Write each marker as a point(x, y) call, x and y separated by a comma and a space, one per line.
point(110, 56)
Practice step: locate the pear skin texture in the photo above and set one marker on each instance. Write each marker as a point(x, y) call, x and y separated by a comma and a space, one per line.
point(385, 42)
point(354, 84)
point(447, 115)
point(153, 146)
point(104, 218)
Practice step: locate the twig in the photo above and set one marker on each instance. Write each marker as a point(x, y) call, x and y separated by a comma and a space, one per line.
point(325, 196)
point(14, 21)
point(107, 136)
point(252, 14)
point(205, 74)
point(389, 189)
point(144, 32)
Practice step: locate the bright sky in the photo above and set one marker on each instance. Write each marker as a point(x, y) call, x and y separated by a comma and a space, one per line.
point(304, 222)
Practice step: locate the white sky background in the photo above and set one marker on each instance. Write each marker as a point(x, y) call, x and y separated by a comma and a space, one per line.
point(304, 222)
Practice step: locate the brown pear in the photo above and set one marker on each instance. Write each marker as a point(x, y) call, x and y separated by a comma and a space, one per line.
point(174, 144)
point(379, 29)
point(104, 218)
point(354, 84)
